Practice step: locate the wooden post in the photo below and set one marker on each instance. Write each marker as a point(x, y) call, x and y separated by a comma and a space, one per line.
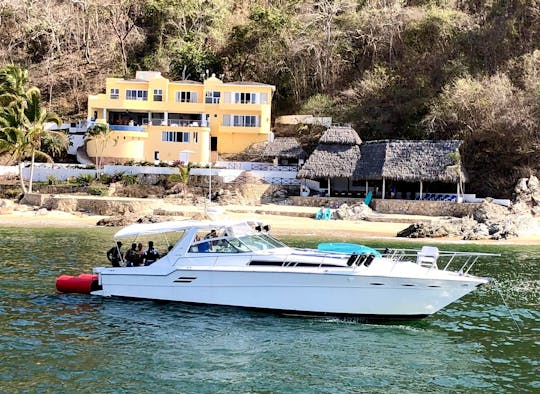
point(421, 198)
point(367, 187)
point(328, 187)
point(383, 187)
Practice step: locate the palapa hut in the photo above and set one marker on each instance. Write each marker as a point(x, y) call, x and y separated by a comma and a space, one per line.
point(408, 162)
point(285, 150)
point(334, 159)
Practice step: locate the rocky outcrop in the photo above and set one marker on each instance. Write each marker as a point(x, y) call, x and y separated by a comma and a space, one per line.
point(115, 221)
point(6, 206)
point(527, 197)
point(489, 221)
point(358, 211)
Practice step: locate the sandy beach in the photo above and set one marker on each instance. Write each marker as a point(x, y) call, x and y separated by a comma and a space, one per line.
point(284, 220)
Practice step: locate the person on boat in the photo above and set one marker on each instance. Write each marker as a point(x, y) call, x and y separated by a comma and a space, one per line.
point(151, 254)
point(133, 259)
point(140, 252)
point(114, 254)
point(211, 234)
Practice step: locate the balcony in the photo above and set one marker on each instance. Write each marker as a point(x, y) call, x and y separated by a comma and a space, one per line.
point(175, 122)
point(121, 127)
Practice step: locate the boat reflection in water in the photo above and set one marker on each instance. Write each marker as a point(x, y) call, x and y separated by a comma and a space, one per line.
point(237, 263)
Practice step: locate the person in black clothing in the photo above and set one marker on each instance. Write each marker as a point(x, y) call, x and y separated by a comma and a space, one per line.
point(133, 258)
point(151, 254)
point(114, 254)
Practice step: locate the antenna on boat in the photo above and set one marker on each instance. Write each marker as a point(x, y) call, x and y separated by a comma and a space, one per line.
point(496, 285)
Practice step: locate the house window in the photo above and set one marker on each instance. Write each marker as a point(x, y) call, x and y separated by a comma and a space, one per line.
point(212, 97)
point(175, 136)
point(195, 137)
point(244, 121)
point(186, 97)
point(158, 95)
point(245, 98)
point(115, 94)
point(139, 95)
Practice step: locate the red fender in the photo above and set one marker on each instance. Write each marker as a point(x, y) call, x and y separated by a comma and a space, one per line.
point(83, 284)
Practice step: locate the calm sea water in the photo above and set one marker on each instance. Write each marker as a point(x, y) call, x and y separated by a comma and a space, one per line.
point(65, 343)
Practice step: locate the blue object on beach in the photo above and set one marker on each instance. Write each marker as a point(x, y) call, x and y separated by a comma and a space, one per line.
point(344, 247)
point(324, 213)
point(327, 214)
point(367, 200)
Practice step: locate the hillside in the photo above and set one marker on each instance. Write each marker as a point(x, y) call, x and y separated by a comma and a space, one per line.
point(413, 69)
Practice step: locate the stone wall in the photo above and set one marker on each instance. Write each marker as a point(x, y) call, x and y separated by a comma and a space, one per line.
point(427, 208)
point(91, 204)
point(304, 119)
point(330, 202)
point(405, 207)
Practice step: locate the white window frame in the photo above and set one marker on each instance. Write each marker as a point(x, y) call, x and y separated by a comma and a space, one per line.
point(158, 93)
point(115, 94)
point(184, 96)
point(245, 98)
point(136, 94)
point(212, 97)
point(175, 136)
point(242, 120)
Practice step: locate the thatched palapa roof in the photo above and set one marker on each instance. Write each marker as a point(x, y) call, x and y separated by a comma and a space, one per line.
point(335, 156)
point(341, 135)
point(287, 147)
point(410, 161)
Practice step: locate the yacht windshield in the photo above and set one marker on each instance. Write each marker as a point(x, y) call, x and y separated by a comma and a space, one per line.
point(260, 242)
point(273, 241)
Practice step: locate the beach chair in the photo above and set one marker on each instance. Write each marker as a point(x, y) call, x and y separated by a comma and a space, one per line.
point(327, 214)
point(367, 200)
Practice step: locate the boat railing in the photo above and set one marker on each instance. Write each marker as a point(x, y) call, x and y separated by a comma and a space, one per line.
point(460, 262)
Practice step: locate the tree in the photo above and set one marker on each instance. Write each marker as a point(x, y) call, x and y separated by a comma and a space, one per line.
point(34, 120)
point(13, 82)
point(22, 119)
point(122, 17)
point(101, 135)
point(13, 139)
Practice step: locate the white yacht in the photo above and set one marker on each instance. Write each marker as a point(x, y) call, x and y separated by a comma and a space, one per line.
point(238, 263)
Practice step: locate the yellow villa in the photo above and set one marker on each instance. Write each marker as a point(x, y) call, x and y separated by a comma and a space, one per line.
point(154, 119)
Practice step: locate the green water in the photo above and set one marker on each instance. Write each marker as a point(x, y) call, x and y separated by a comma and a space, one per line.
point(65, 343)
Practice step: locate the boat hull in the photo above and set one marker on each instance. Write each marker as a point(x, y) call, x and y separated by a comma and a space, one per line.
point(337, 293)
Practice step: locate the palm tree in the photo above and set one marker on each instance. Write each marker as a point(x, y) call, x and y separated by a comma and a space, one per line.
point(101, 134)
point(22, 119)
point(34, 124)
point(13, 81)
point(13, 138)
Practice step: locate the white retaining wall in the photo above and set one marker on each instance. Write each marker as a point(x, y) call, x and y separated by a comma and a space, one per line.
point(9, 170)
point(229, 175)
point(64, 171)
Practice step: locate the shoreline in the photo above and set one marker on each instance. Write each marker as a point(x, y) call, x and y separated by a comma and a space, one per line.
point(283, 224)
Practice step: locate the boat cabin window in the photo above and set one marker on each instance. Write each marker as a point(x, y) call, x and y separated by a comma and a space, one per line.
point(219, 241)
point(259, 242)
point(214, 245)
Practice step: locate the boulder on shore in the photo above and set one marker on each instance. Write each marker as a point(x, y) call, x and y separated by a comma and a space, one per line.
point(489, 221)
point(358, 211)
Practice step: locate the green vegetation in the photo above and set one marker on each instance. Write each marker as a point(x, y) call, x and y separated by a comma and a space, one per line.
point(420, 69)
point(22, 121)
point(102, 136)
